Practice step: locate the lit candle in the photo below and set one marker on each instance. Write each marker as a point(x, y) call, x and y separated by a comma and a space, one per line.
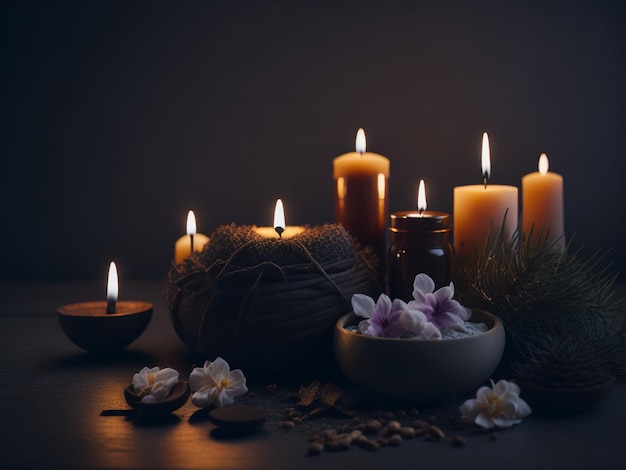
point(279, 230)
point(105, 326)
point(193, 241)
point(420, 243)
point(480, 209)
point(361, 194)
point(112, 288)
point(542, 204)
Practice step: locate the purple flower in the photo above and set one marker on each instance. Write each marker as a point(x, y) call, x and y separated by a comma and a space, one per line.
point(437, 305)
point(381, 319)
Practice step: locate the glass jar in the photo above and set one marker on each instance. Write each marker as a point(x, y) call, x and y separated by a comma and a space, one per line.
point(420, 243)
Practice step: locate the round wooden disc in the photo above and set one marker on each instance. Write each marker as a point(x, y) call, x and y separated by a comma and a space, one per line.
point(238, 417)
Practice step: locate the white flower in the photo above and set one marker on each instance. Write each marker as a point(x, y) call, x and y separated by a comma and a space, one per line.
point(215, 384)
point(416, 323)
point(499, 406)
point(154, 385)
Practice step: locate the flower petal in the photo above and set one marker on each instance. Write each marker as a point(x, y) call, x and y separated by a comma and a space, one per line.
point(423, 284)
point(219, 369)
point(363, 305)
point(236, 384)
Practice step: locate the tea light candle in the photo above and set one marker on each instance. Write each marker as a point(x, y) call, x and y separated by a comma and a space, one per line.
point(361, 194)
point(105, 326)
point(479, 209)
point(193, 241)
point(542, 204)
point(279, 230)
point(420, 243)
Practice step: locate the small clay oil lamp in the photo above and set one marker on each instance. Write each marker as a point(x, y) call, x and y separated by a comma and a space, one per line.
point(103, 327)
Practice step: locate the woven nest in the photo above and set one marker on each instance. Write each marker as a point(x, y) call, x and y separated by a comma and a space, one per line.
point(268, 304)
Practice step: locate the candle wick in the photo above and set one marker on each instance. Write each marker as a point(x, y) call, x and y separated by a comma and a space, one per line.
point(279, 231)
point(485, 180)
point(191, 241)
point(111, 304)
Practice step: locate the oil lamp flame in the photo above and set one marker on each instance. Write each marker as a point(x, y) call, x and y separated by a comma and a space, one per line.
point(543, 164)
point(360, 143)
point(112, 288)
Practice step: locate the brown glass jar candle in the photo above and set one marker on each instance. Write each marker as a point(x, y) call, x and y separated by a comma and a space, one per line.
point(420, 243)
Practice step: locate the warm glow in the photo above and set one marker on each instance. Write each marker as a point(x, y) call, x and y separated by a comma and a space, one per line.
point(191, 223)
point(341, 187)
point(279, 215)
point(360, 141)
point(381, 186)
point(112, 283)
point(486, 157)
point(421, 197)
point(543, 164)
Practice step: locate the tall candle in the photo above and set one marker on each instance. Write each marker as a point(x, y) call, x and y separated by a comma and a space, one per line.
point(542, 204)
point(193, 241)
point(479, 209)
point(280, 229)
point(361, 180)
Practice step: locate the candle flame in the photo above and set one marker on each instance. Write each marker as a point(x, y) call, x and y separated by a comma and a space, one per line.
point(279, 215)
point(191, 223)
point(421, 197)
point(486, 158)
point(381, 185)
point(112, 283)
point(543, 164)
point(360, 143)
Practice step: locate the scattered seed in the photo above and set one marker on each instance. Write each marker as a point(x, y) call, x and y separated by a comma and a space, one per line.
point(413, 412)
point(365, 443)
point(406, 432)
point(287, 424)
point(371, 427)
point(431, 419)
point(400, 414)
point(435, 432)
point(458, 441)
point(329, 434)
point(394, 426)
point(386, 415)
point(395, 440)
point(355, 434)
point(315, 448)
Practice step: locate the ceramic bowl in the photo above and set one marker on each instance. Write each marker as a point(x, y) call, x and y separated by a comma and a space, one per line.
point(89, 327)
point(177, 398)
point(403, 372)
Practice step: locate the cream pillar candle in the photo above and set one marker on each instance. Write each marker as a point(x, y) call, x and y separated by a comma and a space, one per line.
point(191, 242)
point(542, 204)
point(480, 209)
point(361, 180)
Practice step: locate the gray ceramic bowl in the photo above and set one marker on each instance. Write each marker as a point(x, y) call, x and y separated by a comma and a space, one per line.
point(403, 372)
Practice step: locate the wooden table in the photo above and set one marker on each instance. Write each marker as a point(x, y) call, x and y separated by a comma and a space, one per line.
point(53, 393)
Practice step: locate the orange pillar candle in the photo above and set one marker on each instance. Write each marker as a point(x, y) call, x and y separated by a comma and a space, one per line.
point(480, 209)
point(191, 242)
point(361, 180)
point(542, 204)
point(280, 229)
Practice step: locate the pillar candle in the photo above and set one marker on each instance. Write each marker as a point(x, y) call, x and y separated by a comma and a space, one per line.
point(361, 180)
point(182, 247)
point(480, 209)
point(542, 204)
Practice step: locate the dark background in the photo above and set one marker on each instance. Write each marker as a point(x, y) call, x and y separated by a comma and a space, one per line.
point(119, 117)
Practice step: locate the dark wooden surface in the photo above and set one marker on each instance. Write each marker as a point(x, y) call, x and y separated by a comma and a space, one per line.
point(52, 394)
